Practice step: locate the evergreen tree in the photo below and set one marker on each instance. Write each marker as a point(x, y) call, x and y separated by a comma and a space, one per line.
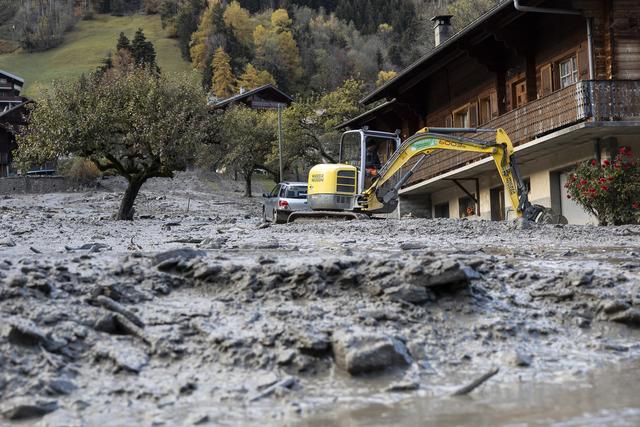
point(224, 83)
point(105, 65)
point(123, 43)
point(143, 52)
point(186, 22)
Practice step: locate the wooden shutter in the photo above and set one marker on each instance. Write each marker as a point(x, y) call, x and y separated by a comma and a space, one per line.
point(546, 77)
point(494, 105)
point(473, 115)
point(448, 121)
point(583, 64)
point(555, 76)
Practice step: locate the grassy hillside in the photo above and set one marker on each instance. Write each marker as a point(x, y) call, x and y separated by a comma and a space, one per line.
point(84, 48)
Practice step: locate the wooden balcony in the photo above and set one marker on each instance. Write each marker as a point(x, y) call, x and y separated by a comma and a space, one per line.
point(599, 100)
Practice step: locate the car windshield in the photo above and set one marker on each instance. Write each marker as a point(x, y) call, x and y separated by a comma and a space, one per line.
point(298, 192)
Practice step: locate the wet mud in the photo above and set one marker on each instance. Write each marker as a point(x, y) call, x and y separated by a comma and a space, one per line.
point(198, 313)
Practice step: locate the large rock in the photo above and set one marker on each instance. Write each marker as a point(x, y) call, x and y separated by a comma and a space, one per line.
point(360, 352)
point(630, 317)
point(24, 332)
point(23, 408)
point(125, 356)
point(408, 293)
point(613, 306)
point(447, 273)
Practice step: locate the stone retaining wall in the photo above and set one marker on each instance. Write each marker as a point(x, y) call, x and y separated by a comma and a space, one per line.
point(33, 184)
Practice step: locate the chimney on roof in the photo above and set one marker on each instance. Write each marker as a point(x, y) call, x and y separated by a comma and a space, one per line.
point(443, 28)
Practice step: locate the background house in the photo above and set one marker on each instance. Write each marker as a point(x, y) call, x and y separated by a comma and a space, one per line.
point(263, 97)
point(12, 113)
point(564, 83)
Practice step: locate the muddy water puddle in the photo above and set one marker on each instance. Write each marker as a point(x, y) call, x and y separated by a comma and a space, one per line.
point(607, 396)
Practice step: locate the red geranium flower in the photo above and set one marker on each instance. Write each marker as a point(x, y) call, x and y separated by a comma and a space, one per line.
point(568, 196)
point(583, 182)
point(602, 180)
point(606, 163)
point(592, 190)
point(604, 187)
point(635, 205)
point(593, 162)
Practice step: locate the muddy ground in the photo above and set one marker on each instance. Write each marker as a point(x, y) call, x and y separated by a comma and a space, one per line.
point(208, 316)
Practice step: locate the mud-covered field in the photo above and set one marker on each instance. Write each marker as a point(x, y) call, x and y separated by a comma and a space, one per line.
point(197, 313)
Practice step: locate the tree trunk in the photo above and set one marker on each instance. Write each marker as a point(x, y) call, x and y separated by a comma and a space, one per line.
point(126, 205)
point(247, 181)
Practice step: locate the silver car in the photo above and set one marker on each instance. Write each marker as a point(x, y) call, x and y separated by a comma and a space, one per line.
point(285, 198)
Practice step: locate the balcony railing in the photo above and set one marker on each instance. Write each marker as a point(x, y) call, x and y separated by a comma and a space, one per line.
point(594, 100)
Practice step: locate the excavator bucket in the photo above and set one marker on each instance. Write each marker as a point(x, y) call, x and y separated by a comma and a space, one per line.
point(549, 216)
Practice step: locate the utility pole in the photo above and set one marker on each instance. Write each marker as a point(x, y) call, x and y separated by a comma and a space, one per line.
point(280, 140)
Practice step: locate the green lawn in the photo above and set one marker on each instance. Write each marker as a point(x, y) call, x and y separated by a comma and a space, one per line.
point(85, 46)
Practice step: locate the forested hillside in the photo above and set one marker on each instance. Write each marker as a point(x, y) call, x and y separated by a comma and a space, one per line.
point(303, 46)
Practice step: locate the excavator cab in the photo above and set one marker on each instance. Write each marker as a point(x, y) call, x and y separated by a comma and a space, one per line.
point(336, 187)
point(367, 151)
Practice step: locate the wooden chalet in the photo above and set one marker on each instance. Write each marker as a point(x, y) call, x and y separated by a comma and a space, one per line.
point(562, 77)
point(263, 97)
point(12, 114)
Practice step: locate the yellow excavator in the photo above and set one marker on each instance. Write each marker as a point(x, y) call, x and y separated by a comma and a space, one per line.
point(369, 175)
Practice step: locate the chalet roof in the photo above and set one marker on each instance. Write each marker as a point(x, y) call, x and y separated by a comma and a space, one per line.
point(389, 89)
point(8, 117)
point(267, 91)
point(362, 118)
point(13, 77)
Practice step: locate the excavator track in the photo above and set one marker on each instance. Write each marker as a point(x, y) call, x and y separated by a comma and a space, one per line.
point(326, 215)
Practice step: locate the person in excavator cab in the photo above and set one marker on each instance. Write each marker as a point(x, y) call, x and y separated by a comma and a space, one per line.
point(372, 164)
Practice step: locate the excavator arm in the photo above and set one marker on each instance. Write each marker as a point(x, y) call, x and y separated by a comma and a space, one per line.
point(382, 196)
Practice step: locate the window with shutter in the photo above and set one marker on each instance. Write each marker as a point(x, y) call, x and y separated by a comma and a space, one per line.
point(546, 78)
point(494, 105)
point(461, 117)
point(485, 109)
point(519, 93)
point(473, 114)
point(448, 122)
point(568, 72)
point(583, 63)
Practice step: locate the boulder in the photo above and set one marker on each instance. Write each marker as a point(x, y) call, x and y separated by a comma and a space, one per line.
point(125, 356)
point(359, 352)
point(629, 317)
point(613, 306)
point(25, 333)
point(7, 243)
point(23, 408)
point(408, 293)
point(521, 358)
point(447, 273)
point(184, 254)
